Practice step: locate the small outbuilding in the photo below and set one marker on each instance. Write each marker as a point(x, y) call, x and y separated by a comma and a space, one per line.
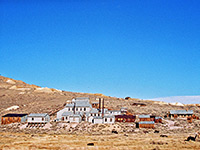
point(180, 113)
point(13, 118)
point(158, 119)
point(38, 118)
point(145, 124)
point(125, 118)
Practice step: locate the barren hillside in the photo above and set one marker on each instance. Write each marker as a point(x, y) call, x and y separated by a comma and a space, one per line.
point(28, 98)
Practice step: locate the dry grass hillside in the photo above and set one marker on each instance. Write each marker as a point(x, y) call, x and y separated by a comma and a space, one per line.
point(20, 97)
point(34, 99)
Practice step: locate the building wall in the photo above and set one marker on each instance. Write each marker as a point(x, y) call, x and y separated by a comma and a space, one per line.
point(38, 119)
point(145, 119)
point(146, 125)
point(98, 121)
point(8, 120)
point(59, 113)
point(108, 120)
point(78, 109)
point(74, 119)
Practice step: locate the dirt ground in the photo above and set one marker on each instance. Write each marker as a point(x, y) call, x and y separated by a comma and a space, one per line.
point(101, 142)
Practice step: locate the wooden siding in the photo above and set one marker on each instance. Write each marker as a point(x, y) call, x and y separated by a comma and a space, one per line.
point(124, 118)
point(146, 126)
point(158, 120)
point(146, 119)
point(8, 120)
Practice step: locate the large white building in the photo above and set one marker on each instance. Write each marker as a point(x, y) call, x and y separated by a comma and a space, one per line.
point(81, 110)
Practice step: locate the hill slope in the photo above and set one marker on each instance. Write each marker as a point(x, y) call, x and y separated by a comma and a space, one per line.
point(28, 98)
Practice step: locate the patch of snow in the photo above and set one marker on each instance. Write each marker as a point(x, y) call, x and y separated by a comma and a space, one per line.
point(22, 93)
point(10, 81)
point(12, 108)
point(46, 90)
point(177, 104)
point(21, 89)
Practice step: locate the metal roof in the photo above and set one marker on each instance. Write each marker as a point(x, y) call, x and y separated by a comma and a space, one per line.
point(158, 117)
point(82, 98)
point(181, 112)
point(15, 115)
point(95, 102)
point(109, 116)
point(146, 122)
point(80, 103)
point(115, 111)
point(144, 116)
point(97, 117)
point(94, 111)
point(38, 115)
point(67, 113)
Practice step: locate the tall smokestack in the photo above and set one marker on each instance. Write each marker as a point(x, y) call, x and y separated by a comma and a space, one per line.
point(103, 107)
point(100, 104)
point(74, 107)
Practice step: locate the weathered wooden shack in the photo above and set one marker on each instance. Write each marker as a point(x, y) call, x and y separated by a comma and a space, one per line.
point(145, 124)
point(158, 119)
point(125, 118)
point(145, 118)
point(13, 118)
point(180, 113)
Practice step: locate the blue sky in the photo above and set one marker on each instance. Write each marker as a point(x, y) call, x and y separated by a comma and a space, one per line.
point(143, 49)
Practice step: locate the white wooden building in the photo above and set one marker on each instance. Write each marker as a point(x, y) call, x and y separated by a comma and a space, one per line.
point(38, 118)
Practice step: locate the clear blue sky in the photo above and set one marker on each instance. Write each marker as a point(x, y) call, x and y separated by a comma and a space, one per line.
point(138, 48)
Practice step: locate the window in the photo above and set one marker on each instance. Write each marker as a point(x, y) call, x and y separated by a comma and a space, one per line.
point(105, 119)
point(32, 118)
point(42, 119)
point(76, 109)
point(110, 119)
point(84, 109)
point(66, 118)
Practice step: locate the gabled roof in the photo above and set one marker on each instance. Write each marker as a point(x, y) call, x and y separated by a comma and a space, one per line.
point(115, 111)
point(181, 112)
point(146, 122)
point(94, 111)
point(80, 103)
point(144, 116)
point(38, 115)
point(109, 116)
point(95, 102)
point(15, 115)
point(158, 117)
point(97, 117)
point(67, 113)
point(81, 98)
